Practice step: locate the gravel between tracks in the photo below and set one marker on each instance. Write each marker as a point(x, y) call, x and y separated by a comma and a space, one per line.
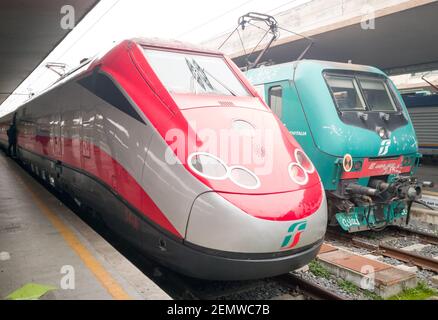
point(332, 284)
point(395, 239)
point(266, 290)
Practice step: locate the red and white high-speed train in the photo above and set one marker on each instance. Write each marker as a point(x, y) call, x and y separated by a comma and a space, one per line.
point(180, 156)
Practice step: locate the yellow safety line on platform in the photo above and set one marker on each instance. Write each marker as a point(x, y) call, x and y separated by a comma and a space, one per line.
point(108, 282)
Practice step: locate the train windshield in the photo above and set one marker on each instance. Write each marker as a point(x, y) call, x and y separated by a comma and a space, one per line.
point(377, 94)
point(361, 93)
point(346, 93)
point(182, 72)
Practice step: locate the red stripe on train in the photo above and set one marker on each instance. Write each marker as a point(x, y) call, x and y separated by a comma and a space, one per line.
point(284, 206)
point(102, 166)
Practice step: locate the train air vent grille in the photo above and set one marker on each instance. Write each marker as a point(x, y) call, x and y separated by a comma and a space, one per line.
point(226, 103)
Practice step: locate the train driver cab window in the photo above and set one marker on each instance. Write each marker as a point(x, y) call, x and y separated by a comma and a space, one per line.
point(346, 93)
point(275, 100)
point(377, 95)
point(185, 72)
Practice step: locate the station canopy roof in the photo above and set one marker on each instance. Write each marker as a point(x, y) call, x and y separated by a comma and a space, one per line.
point(403, 41)
point(29, 31)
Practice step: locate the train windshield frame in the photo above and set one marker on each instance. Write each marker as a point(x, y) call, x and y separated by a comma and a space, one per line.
point(194, 73)
point(361, 92)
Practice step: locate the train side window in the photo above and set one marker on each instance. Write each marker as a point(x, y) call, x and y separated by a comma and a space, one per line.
point(275, 100)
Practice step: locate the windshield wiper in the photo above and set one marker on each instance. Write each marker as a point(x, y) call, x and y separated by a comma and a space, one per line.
point(220, 82)
point(199, 74)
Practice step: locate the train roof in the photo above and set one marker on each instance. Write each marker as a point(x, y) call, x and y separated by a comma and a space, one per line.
point(173, 44)
point(89, 63)
point(285, 71)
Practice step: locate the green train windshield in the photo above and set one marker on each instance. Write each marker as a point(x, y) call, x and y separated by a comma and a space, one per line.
point(361, 93)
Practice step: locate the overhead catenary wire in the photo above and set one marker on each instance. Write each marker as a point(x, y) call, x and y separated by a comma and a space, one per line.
point(214, 19)
point(281, 6)
point(296, 33)
point(269, 11)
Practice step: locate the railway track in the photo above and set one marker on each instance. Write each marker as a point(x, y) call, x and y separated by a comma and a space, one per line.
point(386, 250)
point(288, 286)
point(427, 237)
point(410, 257)
point(310, 289)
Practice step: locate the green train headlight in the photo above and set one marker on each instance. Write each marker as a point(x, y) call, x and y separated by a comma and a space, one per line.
point(357, 165)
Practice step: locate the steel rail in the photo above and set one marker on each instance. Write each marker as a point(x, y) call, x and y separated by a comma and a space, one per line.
point(407, 256)
point(392, 252)
point(313, 290)
point(428, 237)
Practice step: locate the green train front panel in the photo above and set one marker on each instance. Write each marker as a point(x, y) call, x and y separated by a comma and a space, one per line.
point(301, 97)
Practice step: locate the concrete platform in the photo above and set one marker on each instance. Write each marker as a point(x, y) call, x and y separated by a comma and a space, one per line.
point(48, 252)
point(381, 278)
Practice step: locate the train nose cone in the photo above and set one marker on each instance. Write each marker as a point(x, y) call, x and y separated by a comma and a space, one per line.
point(248, 223)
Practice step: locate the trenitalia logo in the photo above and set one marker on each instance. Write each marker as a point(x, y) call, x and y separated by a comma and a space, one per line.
point(293, 236)
point(384, 147)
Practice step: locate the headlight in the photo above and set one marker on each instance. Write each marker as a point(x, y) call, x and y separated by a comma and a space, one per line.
point(381, 132)
point(298, 174)
point(208, 166)
point(211, 167)
point(244, 178)
point(304, 161)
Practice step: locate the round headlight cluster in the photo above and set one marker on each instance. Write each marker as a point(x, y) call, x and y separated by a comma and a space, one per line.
point(298, 174)
point(208, 166)
point(304, 161)
point(299, 171)
point(211, 167)
point(244, 178)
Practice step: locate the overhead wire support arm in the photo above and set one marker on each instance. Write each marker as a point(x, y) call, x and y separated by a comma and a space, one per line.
point(310, 45)
point(248, 19)
point(272, 25)
point(272, 28)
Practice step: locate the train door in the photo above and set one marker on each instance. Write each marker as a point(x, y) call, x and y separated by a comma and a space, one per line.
point(54, 117)
point(88, 118)
point(70, 133)
point(55, 132)
point(88, 112)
